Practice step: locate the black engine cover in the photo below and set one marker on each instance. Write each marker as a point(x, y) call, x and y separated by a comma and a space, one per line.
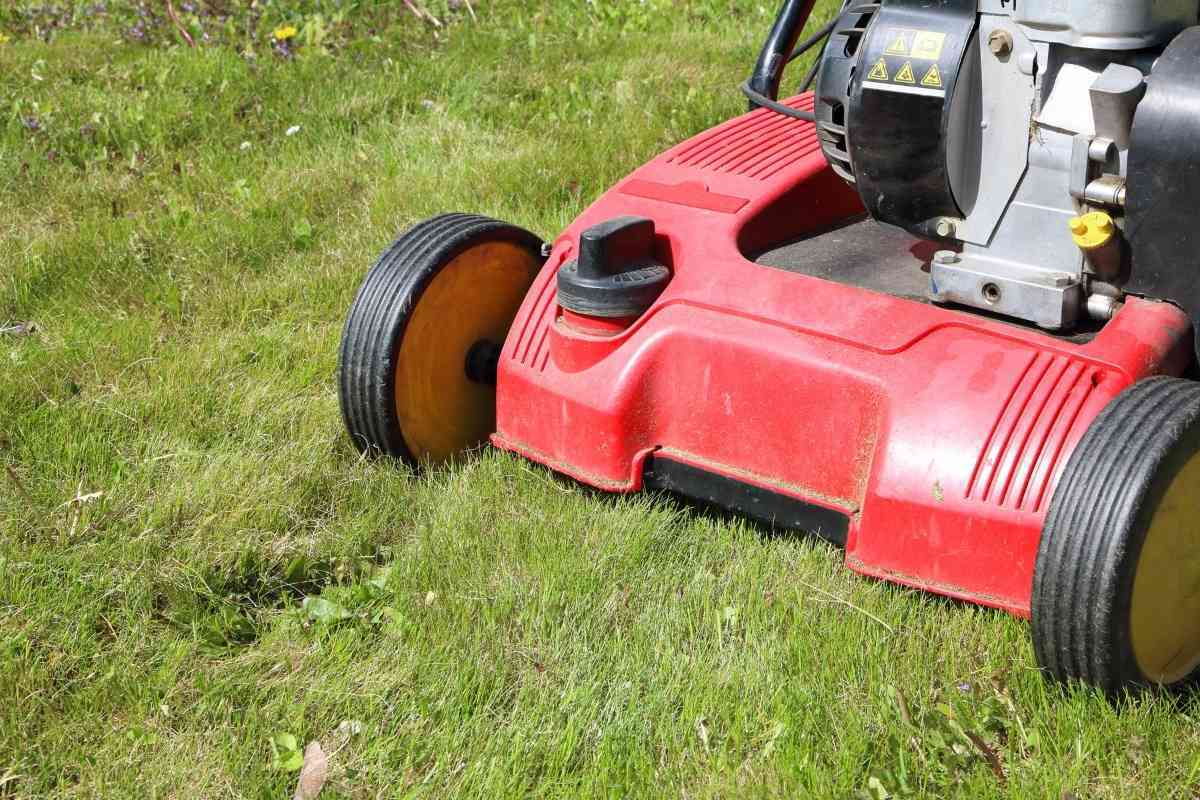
point(904, 126)
point(1164, 181)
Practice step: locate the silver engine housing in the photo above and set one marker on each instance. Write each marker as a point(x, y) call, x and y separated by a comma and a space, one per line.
point(1042, 136)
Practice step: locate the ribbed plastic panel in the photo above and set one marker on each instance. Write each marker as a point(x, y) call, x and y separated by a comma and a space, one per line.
point(533, 345)
point(1023, 453)
point(754, 146)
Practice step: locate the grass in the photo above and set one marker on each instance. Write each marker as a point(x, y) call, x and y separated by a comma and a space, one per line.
point(193, 561)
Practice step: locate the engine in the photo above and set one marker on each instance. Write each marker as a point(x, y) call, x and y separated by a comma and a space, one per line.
point(1051, 146)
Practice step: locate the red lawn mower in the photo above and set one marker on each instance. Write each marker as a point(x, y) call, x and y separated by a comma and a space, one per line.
point(935, 310)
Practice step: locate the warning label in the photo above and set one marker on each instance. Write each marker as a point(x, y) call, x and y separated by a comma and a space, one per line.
point(903, 63)
point(901, 42)
point(923, 45)
point(928, 45)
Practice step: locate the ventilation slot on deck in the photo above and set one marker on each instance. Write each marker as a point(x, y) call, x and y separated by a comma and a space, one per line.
point(754, 146)
point(1027, 444)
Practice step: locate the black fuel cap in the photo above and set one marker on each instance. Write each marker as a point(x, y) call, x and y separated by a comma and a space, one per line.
point(616, 274)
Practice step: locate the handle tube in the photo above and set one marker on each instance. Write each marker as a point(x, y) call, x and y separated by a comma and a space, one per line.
point(776, 50)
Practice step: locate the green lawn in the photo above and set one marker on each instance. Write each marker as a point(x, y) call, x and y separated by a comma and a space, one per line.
point(194, 561)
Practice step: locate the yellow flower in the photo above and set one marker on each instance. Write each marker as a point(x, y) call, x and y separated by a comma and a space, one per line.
point(282, 34)
point(3, 38)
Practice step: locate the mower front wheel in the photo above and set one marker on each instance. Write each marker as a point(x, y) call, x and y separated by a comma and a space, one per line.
point(1116, 588)
point(417, 366)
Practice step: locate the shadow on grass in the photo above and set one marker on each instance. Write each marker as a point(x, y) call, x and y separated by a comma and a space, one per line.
point(223, 610)
point(698, 509)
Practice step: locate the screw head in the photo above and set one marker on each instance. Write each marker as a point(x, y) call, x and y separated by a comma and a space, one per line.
point(1000, 42)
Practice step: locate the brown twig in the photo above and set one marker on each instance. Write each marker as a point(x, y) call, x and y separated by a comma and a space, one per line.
point(833, 598)
point(187, 37)
point(422, 13)
point(12, 474)
point(989, 753)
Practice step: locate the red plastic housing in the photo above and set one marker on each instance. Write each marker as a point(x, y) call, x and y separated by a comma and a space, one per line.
point(939, 434)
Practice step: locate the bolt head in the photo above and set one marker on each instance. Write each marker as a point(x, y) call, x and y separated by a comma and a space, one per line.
point(945, 228)
point(1000, 42)
point(946, 257)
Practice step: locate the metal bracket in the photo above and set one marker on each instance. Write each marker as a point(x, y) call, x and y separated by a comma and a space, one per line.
point(1050, 300)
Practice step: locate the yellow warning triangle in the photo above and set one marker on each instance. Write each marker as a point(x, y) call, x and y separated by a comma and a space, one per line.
point(879, 72)
point(905, 75)
point(933, 78)
point(899, 46)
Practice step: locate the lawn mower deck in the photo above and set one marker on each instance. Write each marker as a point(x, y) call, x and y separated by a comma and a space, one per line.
point(937, 312)
point(924, 440)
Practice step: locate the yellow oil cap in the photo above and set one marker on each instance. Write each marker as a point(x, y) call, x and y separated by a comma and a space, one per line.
point(1092, 230)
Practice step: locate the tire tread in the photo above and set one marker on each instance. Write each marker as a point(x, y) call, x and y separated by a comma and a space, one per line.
point(379, 312)
point(1089, 543)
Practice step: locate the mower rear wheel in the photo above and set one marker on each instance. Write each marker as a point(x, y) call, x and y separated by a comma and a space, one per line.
point(1116, 588)
point(417, 367)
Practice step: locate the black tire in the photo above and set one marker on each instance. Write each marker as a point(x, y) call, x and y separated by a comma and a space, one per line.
point(388, 298)
point(1131, 481)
